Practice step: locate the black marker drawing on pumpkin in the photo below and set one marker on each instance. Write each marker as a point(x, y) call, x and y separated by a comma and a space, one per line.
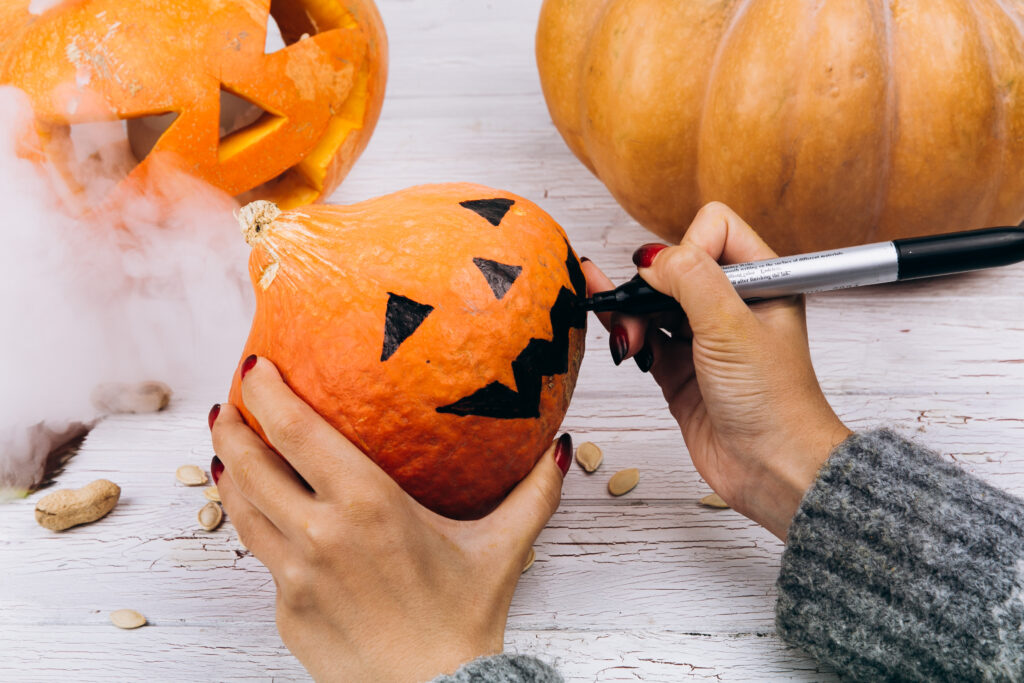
point(540, 358)
point(491, 209)
point(499, 275)
point(402, 318)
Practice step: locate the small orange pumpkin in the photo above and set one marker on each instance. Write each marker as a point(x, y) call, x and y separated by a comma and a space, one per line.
point(313, 104)
point(438, 328)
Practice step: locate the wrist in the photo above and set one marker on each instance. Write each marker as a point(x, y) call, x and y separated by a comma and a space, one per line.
point(774, 499)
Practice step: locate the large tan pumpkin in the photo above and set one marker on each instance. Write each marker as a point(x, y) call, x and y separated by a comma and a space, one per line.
point(823, 123)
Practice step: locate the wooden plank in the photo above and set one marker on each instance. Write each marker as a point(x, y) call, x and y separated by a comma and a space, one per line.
point(236, 649)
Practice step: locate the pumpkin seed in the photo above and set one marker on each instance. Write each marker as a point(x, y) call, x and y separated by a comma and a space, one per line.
point(714, 501)
point(191, 475)
point(212, 493)
point(210, 516)
point(127, 618)
point(589, 456)
point(529, 559)
point(623, 481)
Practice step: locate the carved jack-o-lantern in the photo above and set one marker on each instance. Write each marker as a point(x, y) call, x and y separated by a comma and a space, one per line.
point(438, 328)
point(198, 91)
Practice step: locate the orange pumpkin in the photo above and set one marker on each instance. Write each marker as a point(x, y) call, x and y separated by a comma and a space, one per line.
point(311, 106)
point(822, 123)
point(438, 328)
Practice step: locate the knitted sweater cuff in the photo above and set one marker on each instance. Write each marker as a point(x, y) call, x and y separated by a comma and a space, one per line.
point(503, 668)
point(899, 565)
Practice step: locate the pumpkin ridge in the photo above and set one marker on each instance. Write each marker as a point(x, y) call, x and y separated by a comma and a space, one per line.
point(891, 128)
point(991, 199)
point(723, 41)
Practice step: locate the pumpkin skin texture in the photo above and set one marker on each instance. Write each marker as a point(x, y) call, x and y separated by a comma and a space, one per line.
point(104, 60)
point(438, 328)
point(823, 124)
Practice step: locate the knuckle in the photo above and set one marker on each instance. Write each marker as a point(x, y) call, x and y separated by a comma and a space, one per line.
point(318, 540)
point(681, 260)
point(713, 209)
point(295, 585)
point(292, 428)
point(549, 495)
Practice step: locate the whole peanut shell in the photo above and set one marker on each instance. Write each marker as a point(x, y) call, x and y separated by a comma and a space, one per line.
point(70, 507)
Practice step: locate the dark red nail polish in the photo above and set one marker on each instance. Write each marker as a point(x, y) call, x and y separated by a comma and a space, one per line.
point(583, 259)
point(618, 342)
point(214, 412)
point(247, 364)
point(563, 453)
point(644, 358)
point(644, 256)
point(216, 469)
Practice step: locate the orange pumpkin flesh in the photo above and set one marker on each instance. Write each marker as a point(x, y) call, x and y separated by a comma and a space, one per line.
point(823, 124)
point(438, 328)
point(103, 60)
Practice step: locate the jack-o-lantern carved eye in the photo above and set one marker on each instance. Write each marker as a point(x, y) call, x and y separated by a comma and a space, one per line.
point(402, 318)
point(491, 209)
point(540, 358)
point(499, 275)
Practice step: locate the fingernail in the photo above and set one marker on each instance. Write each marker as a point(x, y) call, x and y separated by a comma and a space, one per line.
point(563, 453)
point(583, 259)
point(618, 342)
point(214, 412)
point(644, 256)
point(247, 364)
point(216, 469)
point(644, 358)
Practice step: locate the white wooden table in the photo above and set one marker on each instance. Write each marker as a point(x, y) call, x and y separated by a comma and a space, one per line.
point(650, 586)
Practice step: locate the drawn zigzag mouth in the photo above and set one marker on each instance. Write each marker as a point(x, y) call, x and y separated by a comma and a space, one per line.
point(540, 358)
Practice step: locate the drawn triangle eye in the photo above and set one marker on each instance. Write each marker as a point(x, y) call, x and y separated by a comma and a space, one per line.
point(491, 209)
point(499, 276)
point(402, 318)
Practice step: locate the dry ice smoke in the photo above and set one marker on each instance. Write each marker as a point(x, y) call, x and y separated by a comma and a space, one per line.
point(83, 301)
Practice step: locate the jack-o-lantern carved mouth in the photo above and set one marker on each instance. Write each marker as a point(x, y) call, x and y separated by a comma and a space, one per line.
point(539, 358)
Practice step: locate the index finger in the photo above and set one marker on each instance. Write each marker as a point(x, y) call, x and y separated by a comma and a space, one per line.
point(319, 453)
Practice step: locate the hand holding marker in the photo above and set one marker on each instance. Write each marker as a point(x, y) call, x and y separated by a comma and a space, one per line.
point(869, 264)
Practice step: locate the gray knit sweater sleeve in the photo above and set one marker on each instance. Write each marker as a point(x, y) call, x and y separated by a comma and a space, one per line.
point(901, 566)
point(503, 669)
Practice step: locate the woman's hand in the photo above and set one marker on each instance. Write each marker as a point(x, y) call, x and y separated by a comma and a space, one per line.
point(371, 586)
point(737, 378)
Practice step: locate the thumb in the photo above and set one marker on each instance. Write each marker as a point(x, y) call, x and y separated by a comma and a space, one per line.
point(692, 277)
point(531, 503)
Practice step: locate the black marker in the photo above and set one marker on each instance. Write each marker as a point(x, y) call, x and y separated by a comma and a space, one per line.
point(822, 271)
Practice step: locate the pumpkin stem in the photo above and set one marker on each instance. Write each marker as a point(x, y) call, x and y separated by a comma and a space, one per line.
point(255, 218)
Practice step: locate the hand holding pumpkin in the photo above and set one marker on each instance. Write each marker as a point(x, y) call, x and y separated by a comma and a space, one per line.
point(738, 378)
point(371, 585)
